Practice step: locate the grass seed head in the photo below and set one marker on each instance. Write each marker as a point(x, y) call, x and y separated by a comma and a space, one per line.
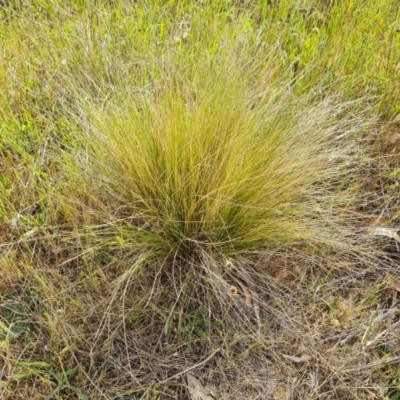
point(233, 290)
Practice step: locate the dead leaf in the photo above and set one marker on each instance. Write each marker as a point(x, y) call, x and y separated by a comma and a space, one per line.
point(382, 231)
point(198, 391)
point(303, 358)
point(246, 293)
point(393, 283)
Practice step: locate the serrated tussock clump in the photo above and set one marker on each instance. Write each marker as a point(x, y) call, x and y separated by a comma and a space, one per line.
point(217, 159)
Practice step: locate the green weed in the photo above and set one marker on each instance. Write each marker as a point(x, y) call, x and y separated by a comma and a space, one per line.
point(44, 371)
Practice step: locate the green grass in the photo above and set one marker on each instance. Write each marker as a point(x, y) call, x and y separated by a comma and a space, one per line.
point(182, 177)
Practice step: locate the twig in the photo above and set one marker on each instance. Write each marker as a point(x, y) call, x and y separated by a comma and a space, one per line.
point(185, 371)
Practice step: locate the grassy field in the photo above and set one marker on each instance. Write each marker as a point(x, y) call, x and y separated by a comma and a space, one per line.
point(199, 200)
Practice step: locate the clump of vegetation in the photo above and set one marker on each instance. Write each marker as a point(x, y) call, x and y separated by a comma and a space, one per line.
point(198, 190)
point(223, 162)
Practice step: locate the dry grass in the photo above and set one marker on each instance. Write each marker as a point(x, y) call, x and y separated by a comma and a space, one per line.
point(198, 189)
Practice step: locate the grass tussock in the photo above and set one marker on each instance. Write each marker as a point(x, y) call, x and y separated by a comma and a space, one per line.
point(199, 191)
point(219, 163)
